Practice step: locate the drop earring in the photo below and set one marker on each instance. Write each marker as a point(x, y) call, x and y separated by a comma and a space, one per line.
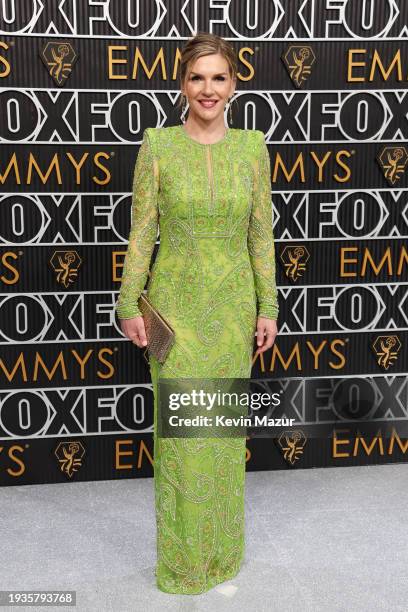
point(183, 109)
point(230, 111)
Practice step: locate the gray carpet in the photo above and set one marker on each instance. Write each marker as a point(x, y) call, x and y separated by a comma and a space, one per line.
point(329, 539)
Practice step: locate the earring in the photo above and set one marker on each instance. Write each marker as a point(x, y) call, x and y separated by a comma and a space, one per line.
point(230, 110)
point(183, 109)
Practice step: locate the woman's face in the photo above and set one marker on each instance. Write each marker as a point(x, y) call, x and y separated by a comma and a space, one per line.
point(208, 79)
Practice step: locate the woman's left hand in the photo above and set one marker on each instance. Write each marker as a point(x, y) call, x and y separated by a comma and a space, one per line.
point(266, 331)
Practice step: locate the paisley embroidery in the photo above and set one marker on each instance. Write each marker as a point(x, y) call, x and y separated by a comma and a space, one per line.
point(214, 269)
point(194, 486)
point(237, 241)
point(166, 501)
point(162, 291)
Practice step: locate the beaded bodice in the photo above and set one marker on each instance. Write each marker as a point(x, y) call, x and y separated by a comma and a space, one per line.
point(212, 206)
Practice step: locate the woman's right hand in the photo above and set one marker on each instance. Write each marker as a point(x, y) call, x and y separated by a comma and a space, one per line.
point(134, 329)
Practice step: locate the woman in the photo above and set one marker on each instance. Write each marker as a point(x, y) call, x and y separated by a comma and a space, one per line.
point(208, 188)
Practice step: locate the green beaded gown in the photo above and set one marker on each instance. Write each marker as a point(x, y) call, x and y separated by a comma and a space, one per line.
point(214, 273)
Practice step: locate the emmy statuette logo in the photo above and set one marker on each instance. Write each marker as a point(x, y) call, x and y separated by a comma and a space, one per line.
point(393, 161)
point(66, 264)
point(291, 443)
point(69, 455)
point(386, 349)
point(294, 259)
point(59, 58)
point(298, 60)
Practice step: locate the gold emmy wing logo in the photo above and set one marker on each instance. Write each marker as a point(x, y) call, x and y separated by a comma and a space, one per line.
point(69, 455)
point(58, 58)
point(393, 161)
point(386, 349)
point(294, 259)
point(298, 61)
point(292, 444)
point(66, 264)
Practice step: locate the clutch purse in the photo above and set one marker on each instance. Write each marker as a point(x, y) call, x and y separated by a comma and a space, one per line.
point(159, 333)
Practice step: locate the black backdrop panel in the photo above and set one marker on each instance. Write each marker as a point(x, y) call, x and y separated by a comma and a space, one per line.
point(79, 83)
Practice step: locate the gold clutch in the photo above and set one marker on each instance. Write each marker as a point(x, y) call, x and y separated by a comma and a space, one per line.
point(159, 333)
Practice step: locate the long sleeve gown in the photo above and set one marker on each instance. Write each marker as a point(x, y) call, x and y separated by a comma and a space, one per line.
point(213, 275)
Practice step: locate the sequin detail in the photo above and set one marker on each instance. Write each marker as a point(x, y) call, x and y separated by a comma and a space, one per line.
point(213, 275)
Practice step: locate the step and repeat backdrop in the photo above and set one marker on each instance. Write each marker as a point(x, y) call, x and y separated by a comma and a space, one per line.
point(79, 82)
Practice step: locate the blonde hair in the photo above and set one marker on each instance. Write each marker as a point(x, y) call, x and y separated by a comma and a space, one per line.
point(202, 44)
